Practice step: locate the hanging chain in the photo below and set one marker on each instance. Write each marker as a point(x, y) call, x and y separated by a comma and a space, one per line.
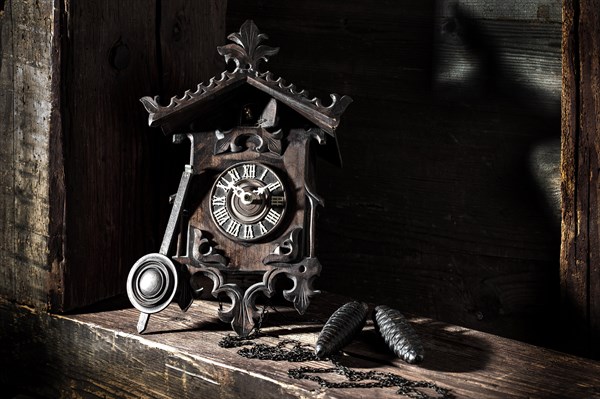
point(295, 351)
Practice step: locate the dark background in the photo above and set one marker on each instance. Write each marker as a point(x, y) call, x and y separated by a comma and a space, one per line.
point(437, 210)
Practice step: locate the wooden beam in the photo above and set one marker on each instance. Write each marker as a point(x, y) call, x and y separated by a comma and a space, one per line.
point(27, 102)
point(580, 259)
point(100, 355)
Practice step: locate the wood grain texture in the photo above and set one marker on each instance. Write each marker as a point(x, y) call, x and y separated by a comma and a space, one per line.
point(110, 63)
point(580, 265)
point(26, 105)
point(99, 355)
point(189, 34)
point(434, 210)
point(500, 49)
point(590, 119)
point(7, 178)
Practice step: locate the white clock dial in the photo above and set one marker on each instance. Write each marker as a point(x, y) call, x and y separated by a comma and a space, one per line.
point(248, 201)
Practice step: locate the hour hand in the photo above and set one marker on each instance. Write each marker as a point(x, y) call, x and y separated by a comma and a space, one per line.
point(238, 192)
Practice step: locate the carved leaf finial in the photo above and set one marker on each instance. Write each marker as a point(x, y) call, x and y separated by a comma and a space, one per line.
point(246, 51)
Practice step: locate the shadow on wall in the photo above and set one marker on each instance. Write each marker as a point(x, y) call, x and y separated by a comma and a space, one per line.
point(436, 210)
point(484, 63)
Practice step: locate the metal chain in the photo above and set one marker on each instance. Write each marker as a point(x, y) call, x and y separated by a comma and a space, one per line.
point(295, 351)
point(369, 379)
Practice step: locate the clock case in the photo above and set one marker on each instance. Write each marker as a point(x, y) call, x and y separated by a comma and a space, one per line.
point(240, 116)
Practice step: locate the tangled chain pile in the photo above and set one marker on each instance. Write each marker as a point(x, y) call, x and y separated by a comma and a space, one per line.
point(295, 351)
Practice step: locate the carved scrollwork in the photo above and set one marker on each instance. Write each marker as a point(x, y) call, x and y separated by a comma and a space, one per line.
point(242, 312)
point(241, 320)
point(246, 50)
point(326, 117)
point(318, 135)
point(200, 250)
point(302, 275)
point(287, 251)
point(240, 140)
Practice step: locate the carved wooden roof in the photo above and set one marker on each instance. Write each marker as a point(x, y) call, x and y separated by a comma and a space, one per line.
point(247, 52)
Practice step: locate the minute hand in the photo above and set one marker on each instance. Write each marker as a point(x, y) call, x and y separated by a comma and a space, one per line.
point(269, 187)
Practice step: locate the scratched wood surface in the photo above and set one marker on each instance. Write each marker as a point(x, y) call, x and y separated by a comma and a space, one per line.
point(26, 104)
point(100, 355)
point(435, 209)
point(580, 264)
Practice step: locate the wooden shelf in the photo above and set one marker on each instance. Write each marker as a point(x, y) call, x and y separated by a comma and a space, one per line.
point(101, 355)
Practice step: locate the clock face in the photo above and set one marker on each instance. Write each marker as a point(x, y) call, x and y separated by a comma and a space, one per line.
point(248, 201)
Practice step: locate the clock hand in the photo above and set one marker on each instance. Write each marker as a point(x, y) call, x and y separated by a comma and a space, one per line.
point(260, 190)
point(245, 196)
point(270, 187)
point(237, 191)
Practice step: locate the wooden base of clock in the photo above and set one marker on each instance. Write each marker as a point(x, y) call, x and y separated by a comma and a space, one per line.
point(246, 204)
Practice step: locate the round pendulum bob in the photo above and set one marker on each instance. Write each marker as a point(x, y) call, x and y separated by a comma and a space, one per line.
point(152, 283)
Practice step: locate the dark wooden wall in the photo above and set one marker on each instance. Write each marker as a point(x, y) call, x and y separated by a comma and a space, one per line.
point(436, 210)
point(118, 171)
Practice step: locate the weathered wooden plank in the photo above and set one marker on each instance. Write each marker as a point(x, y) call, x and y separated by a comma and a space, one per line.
point(346, 46)
point(500, 49)
point(589, 43)
point(580, 264)
point(99, 355)
point(132, 168)
point(573, 283)
point(7, 203)
point(27, 43)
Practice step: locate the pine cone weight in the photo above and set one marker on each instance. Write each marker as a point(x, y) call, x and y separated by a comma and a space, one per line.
point(341, 328)
point(398, 334)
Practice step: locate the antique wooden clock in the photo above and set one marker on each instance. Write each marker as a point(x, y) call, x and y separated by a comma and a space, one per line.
point(246, 201)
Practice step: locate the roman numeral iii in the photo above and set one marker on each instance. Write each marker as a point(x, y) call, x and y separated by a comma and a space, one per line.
point(272, 217)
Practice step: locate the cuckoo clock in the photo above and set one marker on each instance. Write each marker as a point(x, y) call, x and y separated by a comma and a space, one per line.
point(246, 201)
